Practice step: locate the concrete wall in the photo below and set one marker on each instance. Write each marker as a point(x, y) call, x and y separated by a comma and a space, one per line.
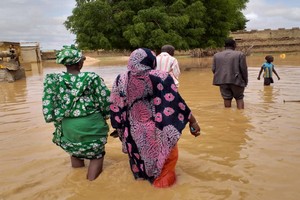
point(30, 54)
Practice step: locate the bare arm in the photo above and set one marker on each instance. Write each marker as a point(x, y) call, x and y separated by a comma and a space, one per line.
point(261, 70)
point(275, 73)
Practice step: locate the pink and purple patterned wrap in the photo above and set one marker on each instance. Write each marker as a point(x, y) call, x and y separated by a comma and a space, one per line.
point(149, 112)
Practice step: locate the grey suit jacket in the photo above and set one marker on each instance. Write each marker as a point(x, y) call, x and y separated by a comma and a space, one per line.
point(230, 67)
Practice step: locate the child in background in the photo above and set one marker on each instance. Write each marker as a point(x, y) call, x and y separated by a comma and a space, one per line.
point(268, 68)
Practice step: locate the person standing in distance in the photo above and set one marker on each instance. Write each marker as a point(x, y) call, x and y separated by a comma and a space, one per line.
point(268, 69)
point(230, 74)
point(168, 63)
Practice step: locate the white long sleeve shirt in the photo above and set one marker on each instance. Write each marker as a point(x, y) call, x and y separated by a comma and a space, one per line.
point(167, 63)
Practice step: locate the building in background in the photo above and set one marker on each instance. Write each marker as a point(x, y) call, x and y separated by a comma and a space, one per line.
point(30, 53)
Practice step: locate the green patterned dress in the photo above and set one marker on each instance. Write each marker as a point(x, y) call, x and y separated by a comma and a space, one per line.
point(78, 105)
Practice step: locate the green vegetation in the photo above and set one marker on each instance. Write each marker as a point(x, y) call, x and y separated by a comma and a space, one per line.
point(126, 25)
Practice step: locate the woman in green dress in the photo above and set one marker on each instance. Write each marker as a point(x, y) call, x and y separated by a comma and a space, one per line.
point(78, 104)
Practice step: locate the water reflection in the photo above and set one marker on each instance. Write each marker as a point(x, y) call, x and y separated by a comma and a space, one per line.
point(36, 68)
point(12, 104)
point(12, 92)
point(214, 162)
point(241, 154)
point(268, 94)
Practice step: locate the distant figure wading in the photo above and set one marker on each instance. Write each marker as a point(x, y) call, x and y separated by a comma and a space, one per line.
point(268, 68)
point(230, 74)
point(166, 62)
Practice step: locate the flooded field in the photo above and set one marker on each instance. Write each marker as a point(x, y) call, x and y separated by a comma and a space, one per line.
point(242, 154)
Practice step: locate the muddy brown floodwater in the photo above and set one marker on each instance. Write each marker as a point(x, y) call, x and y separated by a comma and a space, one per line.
point(241, 154)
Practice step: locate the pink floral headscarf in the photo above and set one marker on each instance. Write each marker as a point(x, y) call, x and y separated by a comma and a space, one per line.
point(147, 108)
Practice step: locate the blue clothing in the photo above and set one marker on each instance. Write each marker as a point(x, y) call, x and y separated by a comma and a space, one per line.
point(268, 68)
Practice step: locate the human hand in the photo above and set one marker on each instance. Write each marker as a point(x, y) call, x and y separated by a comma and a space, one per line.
point(195, 129)
point(114, 134)
point(117, 133)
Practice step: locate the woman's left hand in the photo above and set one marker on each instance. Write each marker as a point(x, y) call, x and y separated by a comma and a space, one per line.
point(195, 129)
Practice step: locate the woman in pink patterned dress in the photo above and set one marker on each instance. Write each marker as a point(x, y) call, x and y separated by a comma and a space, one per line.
point(149, 115)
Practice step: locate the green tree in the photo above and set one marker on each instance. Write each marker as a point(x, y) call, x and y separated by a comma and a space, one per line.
point(186, 24)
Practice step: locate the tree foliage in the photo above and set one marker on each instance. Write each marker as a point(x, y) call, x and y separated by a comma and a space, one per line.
point(186, 24)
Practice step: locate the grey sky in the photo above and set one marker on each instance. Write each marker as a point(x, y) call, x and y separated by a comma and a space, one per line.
point(42, 20)
point(272, 14)
point(36, 21)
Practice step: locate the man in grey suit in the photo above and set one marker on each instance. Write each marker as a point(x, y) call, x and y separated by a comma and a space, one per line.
point(230, 74)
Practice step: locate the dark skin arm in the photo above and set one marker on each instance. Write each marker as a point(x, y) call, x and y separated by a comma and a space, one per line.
point(193, 125)
point(276, 73)
point(261, 70)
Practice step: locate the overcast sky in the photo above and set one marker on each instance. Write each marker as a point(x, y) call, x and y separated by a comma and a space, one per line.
point(42, 20)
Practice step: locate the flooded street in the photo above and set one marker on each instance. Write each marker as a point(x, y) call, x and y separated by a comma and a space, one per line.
point(242, 154)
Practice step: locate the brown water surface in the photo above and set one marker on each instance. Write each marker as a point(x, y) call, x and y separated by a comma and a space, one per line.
point(241, 154)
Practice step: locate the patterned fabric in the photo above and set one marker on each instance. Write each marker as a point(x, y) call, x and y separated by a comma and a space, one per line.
point(149, 113)
point(168, 63)
point(168, 177)
point(68, 96)
point(268, 68)
point(69, 55)
point(84, 137)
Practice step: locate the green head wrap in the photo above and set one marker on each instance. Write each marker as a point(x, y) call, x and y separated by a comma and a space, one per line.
point(69, 55)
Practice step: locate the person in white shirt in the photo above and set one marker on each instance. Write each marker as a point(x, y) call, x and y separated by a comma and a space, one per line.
point(166, 62)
